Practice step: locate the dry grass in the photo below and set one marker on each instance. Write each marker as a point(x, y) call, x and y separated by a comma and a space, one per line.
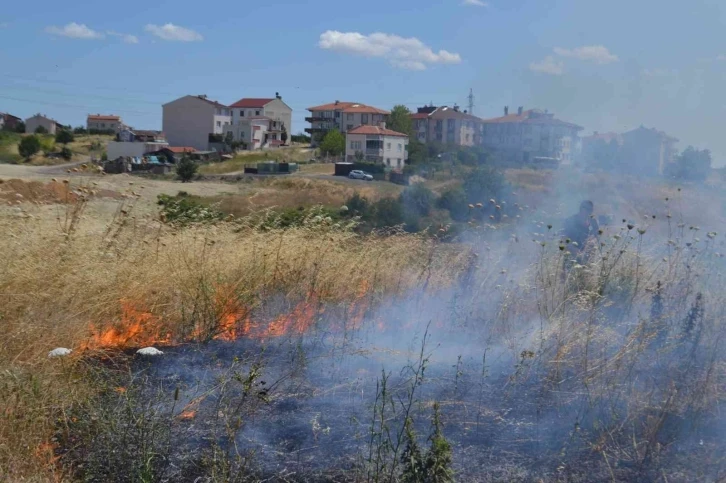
point(294, 192)
point(57, 281)
point(244, 158)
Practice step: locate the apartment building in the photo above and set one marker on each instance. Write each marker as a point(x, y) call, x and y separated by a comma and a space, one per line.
point(102, 122)
point(194, 121)
point(642, 151)
point(260, 122)
point(376, 144)
point(343, 116)
point(447, 125)
point(532, 135)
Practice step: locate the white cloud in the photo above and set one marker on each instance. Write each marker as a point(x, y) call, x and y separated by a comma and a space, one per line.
point(74, 31)
point(173, 32)
point(475, 3)
point(548, 66)
point(593, 53)
point(129, 39)
point(721, 57)
point(404, 53)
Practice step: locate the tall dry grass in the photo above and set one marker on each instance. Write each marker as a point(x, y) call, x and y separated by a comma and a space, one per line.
point(61, 279)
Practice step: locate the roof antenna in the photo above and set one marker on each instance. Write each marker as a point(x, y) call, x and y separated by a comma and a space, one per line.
point(471, 101)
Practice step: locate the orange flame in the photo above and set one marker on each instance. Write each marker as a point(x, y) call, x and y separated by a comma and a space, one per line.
point(191, 414)
point(138, 327)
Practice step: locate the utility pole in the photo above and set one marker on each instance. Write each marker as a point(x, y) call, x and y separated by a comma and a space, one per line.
point(471, 101)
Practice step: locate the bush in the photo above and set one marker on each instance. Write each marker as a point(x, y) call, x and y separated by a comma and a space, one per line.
point(80, 130)
point(372, 168)
point(454, 200)
point(386, 212)
point(186, 169)
point(182, 209)
point(66, 153)
point(357, 205)
point(64, 137)
point(41, 130)
point(29, 146)
point(483, 184)
point(333, 143)
point(417, 200)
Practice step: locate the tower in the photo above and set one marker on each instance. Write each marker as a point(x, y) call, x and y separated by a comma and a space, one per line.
point(471, 101)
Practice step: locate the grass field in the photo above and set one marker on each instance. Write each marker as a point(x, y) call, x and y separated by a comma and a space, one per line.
point(83, 146)
point(610, 371)
point(245, 158)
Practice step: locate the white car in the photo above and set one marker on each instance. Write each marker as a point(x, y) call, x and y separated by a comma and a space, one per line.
point(358, 174)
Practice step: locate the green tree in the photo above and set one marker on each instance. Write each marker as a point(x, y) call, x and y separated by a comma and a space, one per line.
point(29, 146)
point(283, 134)
point(438, 457)
point(41, 130)
point(691, 165)
point(400, 120)
point(416, 151)
point(357, 205)
point(64, 137)
point(186, 169)
point(80, 130)
point(333, 143)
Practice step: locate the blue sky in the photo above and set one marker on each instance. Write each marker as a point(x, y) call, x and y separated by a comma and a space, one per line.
point(604, 65)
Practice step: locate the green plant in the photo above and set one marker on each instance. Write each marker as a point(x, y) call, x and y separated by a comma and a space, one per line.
point(417, 200)
point(185, 210)
point(454, 200)
point(29, 146)
point(64, 137)
point(186, 169)
point(66, 153)
point(333, 143)
point(41, 130)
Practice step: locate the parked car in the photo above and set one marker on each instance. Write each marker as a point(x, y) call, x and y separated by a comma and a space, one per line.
point(358, 174)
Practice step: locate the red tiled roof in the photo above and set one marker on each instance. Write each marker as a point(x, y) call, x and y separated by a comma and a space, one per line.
point(376, 130)
point(527, 118)
point(101, 117)
point(250, 102)
point(349, 107)
point(181, 149)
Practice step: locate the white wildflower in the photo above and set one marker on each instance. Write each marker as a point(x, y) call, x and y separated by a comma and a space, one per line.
point(59, 352)
point(149, 351)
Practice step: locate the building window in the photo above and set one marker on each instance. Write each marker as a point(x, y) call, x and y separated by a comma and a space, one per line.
point(356, 145)
point(450, 124)
point(388, 161)
point(439, 125)
point(241, 113)
point(388, 146)
point(467, 137)
point(349, 127)
point(103, 125)
point(398, 162)
point(257, 113)
point(349, 116)
point(400, 147)
point(219, 123)
point(364, 118)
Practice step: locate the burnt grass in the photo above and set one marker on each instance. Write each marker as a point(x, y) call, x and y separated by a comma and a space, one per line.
point(300, 407)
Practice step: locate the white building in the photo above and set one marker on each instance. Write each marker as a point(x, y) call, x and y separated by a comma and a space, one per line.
point(33, 123)
point(248, 115)
point(529, 135)
point(102, 122)
point(376, 144)
point(342, 116)
point(118, 149)
point(190, 120)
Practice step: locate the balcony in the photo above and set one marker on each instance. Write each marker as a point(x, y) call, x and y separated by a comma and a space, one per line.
point(374, 152)
point(319, 119)
point(313, 130)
